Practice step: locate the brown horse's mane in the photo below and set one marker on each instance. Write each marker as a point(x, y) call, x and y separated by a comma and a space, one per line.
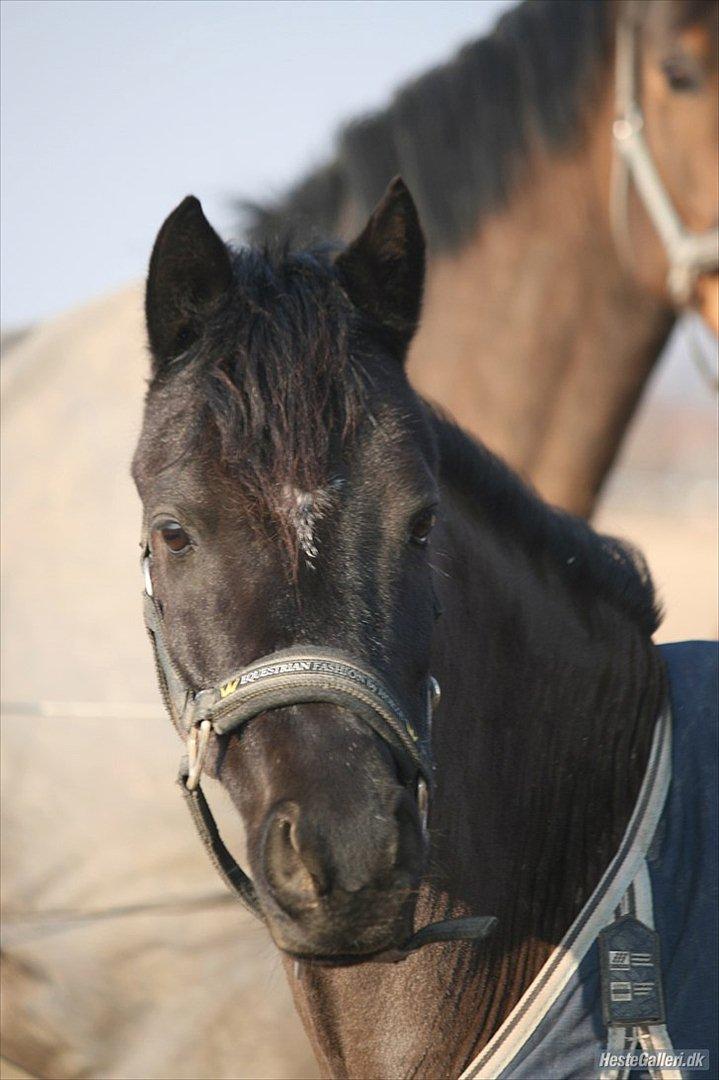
point(461, 134)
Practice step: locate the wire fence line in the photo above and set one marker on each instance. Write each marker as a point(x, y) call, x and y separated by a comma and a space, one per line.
point(84, 710)
point(20, 925)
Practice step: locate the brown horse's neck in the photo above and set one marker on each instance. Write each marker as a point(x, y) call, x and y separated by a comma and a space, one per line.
point(533, 335)
point(541, 743)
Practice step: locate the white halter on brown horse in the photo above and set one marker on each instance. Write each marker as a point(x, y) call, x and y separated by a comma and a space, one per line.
point(690, 255)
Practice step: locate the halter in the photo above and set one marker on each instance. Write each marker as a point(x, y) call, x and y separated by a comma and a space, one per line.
point(294, 676)
point(690, 254)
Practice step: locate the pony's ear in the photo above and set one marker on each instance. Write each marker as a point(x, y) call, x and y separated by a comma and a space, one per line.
point(382, 271)
point(190, 270)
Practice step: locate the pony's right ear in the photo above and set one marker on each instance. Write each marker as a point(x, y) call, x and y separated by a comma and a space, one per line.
point(190, 270)
point(382, 271)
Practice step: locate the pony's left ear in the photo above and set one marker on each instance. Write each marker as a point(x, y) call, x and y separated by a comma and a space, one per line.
point(190, 270)
point(382, 271)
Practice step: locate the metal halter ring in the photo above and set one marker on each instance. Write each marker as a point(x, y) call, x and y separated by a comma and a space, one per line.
point(197, 743)
point(423, 803)
point(434, 694)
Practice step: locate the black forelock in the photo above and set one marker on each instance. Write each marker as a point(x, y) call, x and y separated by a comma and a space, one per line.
point(277, 381)
point(279, 369)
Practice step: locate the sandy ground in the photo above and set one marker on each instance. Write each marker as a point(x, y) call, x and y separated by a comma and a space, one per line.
point(93, 828)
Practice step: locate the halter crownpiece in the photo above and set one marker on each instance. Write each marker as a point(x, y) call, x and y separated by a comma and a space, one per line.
point(293, 676)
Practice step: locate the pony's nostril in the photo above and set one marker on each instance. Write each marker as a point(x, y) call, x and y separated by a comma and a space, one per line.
point(308, 856)
point(308, 863)
point(294, 869)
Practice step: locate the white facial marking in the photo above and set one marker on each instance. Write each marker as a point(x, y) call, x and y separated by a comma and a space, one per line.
point(304, 509)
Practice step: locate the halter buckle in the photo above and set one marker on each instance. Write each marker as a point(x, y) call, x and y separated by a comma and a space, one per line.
point(197, 742)
point(423, 803)
point(435, 693)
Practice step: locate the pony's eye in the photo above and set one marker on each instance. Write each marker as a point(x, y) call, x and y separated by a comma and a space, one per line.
point(681, 76)
point(175, 537)
point(422, 526)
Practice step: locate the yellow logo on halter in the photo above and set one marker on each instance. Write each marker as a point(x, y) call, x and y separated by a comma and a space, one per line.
point(229, 687)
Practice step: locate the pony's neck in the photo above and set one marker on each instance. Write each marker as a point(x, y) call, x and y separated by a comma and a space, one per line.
point(541, 747)
point(540, 743)
point(545, 321)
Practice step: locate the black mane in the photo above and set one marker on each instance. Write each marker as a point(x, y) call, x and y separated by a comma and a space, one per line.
point(461, 134)
point(605, 566)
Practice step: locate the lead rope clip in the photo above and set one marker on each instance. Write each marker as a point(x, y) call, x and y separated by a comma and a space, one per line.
point(197, 742)
point(433, 695)
point(423, 803)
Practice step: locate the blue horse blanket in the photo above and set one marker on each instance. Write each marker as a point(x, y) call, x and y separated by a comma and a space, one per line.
point(665, 876)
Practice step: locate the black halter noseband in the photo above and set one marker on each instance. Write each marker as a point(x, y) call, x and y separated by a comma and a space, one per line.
point(291, 677)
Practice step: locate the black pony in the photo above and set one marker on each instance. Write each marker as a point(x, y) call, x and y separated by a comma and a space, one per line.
point(300, 498)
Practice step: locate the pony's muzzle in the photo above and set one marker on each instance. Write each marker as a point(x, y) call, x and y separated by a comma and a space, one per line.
point(331, 896)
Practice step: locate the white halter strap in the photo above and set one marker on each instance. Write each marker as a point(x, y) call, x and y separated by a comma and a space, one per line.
point(689, 254)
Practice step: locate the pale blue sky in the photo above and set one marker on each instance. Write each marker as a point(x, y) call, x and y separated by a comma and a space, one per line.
point(114, 110)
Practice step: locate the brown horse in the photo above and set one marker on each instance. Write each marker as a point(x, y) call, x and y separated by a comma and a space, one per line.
point(542, 323)
point(319, 544)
